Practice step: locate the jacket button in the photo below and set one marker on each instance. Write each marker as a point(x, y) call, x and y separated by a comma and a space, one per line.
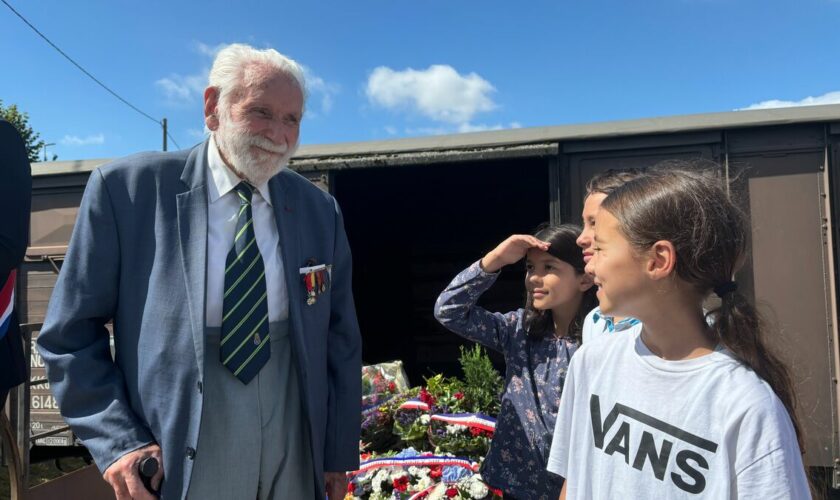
point(200, 388)
point(190, 452)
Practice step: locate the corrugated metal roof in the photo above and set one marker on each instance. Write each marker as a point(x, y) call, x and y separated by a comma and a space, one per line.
point(531, 135)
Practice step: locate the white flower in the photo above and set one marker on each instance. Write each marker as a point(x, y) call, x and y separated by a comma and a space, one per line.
point(424, 483)
point(455, 429)
point(376, 482)
point(477, 489)
point(418, 472)
point(425, 419)
point(439, 493)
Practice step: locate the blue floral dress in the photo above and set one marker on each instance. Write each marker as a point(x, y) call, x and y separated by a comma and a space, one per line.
point(534, 376)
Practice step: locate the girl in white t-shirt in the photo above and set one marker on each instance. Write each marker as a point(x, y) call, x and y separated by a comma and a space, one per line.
point(689, 407)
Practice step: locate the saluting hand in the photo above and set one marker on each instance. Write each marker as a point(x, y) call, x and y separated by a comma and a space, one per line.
point(124, 475)
point(510, 251)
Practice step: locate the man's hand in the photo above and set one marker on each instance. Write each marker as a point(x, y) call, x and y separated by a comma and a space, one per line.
point(124, 476)
point(336, 485)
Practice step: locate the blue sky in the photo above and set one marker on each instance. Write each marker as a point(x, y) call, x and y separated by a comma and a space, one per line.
point(385, 69)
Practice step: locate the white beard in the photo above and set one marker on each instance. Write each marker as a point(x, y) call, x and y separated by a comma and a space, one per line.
point(235, 143)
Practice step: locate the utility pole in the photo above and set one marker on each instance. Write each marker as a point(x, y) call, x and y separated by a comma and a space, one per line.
point(44, 147)
point(164, 134)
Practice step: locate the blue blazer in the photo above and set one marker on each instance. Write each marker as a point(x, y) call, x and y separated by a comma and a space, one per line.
point(138, 257)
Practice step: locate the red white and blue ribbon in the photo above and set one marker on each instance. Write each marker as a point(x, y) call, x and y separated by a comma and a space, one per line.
point(7, 303)
point(474, 420)
point(421, 461)
point(414, 404)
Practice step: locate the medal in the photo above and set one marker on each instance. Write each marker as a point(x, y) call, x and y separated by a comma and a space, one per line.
point(315, 280)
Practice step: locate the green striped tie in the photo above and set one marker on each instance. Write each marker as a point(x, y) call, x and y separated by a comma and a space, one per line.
point(245, 344)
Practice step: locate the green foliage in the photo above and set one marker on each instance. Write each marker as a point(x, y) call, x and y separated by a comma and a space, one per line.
point(447, 393)
point(482, 383)
point(21, 122)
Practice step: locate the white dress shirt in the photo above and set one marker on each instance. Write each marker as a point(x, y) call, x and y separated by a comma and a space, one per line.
point(222, 210)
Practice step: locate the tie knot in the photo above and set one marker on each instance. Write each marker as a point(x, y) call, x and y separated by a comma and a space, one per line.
point(245, 191)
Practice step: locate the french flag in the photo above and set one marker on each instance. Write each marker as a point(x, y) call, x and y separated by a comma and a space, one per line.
point(7, 303)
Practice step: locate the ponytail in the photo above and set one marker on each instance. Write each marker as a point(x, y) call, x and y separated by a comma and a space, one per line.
point(741, 329)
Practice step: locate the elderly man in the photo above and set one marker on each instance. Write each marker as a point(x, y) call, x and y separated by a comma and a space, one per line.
point(227, 277)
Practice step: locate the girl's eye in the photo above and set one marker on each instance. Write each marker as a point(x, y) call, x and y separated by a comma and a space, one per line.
point(596, 249)
point(529, 267)
point(549, 267)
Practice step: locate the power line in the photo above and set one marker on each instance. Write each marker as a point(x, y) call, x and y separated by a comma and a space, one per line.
point(172, 139)
point(83, 70)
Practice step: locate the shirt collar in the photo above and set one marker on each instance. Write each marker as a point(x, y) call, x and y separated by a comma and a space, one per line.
point(610, 323)
point(224, 180)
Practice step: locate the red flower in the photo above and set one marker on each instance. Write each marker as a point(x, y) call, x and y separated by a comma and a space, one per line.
point(475, 431)
point(392, 386)
point(401, 483)
point(458, 395)
point(452, 492)
point(426, 397)
point(351, 487)
point(435, 471)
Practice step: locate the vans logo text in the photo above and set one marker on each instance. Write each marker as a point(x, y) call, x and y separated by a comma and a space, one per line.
point(691, 463)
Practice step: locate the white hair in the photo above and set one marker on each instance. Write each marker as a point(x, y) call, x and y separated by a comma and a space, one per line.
point(239, 65)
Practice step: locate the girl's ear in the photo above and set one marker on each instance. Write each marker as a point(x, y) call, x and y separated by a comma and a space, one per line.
point(662, 260)
point(585, 282)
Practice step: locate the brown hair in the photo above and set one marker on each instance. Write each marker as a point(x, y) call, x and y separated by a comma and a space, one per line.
point(609, 180)
point(690, 208)
point(540, 323)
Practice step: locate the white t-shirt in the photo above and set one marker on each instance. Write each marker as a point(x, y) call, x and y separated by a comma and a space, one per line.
point(632, 425)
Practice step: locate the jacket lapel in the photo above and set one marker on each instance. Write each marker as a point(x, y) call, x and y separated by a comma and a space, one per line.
point(287, 217)
point(192, 231)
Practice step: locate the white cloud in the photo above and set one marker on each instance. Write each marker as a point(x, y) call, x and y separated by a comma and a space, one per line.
point(74, 140)
point(207, 50)
point(323, 89)
point(455, 129)
point(183, 89)
point(829, 98)
point(480, 127)
point(438, 92)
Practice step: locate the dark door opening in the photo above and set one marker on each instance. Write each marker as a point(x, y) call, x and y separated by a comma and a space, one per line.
point(412, 229)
